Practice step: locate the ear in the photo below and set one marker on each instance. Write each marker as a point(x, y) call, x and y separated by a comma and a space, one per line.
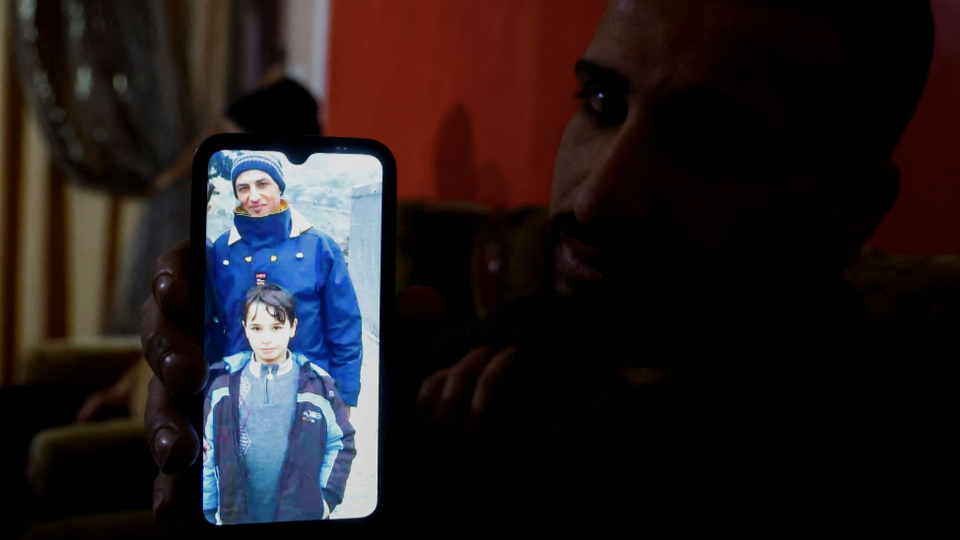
point(293, 328)
point(861, 207)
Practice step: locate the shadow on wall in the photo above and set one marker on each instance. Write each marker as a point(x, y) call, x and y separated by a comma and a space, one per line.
point(458, 177)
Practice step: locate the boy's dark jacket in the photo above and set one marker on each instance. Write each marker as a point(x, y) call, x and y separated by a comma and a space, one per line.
point(321, 447)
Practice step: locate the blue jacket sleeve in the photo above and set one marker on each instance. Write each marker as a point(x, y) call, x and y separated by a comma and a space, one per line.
point(214, 345)
point(342, 325)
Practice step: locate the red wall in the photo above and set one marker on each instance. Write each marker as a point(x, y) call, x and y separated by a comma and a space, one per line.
point(926, 219)
point(477, 93)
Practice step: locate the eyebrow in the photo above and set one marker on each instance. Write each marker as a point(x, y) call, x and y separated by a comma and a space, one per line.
point(248, 183)
point(263, 176)
point(603, 74)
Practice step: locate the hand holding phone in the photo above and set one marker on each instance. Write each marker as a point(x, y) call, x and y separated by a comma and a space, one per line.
point(292, 238)
point(301, 304)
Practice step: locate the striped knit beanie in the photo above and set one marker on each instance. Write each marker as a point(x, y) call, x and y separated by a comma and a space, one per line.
point(258, 162)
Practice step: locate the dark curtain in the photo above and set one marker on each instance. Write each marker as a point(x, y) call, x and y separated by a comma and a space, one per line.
point(107, 82)
point(124, 89)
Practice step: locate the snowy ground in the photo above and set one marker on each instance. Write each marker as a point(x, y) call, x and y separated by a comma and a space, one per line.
point(360, 498)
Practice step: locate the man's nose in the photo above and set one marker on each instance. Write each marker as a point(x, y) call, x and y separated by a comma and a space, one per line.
point(620, 183)
point(254, 195)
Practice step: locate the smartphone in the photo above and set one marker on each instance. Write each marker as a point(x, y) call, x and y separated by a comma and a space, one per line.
point(291, 256)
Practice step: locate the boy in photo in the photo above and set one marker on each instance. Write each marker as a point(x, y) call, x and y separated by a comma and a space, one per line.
point(277, 442)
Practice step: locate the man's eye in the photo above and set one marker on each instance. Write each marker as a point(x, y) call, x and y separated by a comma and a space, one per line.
point(607, 108)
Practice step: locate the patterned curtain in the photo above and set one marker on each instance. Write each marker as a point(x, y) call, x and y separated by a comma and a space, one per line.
point(122, 88)
point(125, 89)
point(108, 82)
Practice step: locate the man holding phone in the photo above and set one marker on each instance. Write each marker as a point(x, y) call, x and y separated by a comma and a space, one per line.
point(717, 146)
point(271, 242)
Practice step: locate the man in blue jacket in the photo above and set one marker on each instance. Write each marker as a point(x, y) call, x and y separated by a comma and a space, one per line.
point(272, 242)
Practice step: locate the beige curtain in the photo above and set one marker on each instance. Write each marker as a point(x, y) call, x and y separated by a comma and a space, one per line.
point(121, 92)
point(121, 88)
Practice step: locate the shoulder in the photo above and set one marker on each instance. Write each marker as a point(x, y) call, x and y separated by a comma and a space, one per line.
point(324, 247)
point(320, 238)
point(219, 389)
point(308, 366)
point(236, 362)
point(221, 380)
point(222, 241)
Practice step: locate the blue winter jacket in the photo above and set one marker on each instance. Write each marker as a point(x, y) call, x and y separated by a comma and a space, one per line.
point(286, 250)
point(213, 344)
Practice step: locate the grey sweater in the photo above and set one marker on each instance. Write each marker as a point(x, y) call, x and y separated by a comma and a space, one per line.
point(267, 409)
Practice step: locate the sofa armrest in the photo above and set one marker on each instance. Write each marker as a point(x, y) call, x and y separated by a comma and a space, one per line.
point(91, 468)
point(80, 363)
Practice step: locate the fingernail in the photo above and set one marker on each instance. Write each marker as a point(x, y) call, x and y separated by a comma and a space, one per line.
point(159, 500)
point(171, 375)
point(162, 286)
point(163, 445)
point(176, 370)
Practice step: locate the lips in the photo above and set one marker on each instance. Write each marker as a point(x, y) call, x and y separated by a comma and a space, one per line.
point(581, 262)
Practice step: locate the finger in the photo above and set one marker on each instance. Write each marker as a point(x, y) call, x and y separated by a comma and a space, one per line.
point(174, 502)
point(172, 353)
point(430, 392)
point(172, 439)
point(459, 388)
point(170, 279)
point(164, 498)
point(487, 384)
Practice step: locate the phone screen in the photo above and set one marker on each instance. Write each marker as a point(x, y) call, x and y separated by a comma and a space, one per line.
point(292, 336)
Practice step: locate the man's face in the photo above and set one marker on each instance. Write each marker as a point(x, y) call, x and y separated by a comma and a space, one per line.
point(698, 139)
point(268, 337)
point(258, 193)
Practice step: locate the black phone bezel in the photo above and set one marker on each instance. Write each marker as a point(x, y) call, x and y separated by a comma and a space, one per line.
point(300, 147)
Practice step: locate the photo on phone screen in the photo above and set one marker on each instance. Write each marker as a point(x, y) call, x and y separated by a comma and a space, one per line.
point(292, 330)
